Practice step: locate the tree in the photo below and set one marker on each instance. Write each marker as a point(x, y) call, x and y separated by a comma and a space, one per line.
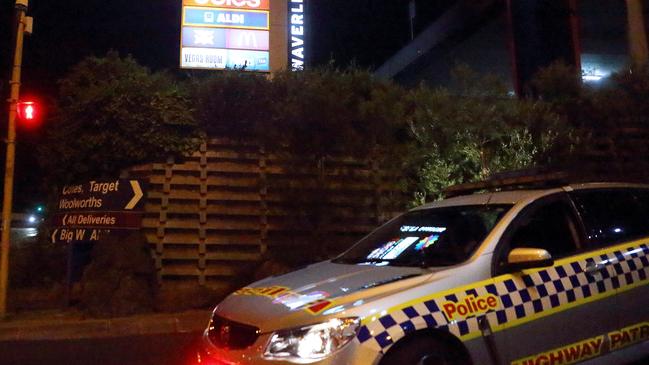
point(113, 114)
point(615, 123)
point(609, 123)
point(328, 112)
point(472, 130)
point(233, 103)
point(317, 113)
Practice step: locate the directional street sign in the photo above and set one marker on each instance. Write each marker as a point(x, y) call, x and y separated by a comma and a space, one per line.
point(72, 235)
point(137, 195)
point(100, 196)
point(91, 211)
point(108, 220)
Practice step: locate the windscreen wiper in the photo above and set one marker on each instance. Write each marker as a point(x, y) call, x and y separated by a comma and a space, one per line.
point(360, 260)
point(392, 262)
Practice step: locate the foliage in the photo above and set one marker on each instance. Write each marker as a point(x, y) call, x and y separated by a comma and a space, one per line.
point(37, 272)
point(181, 297)
point(328, 112)
point(438, 136)
point(558, 83)
point(112, 114)
point(472, 130)
point(120, 279)
point(625, 103)
point(316, 113)
point(233, 103)
point(37, 263)
point(605, 120)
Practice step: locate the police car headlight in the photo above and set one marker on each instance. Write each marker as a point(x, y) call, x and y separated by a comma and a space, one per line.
point(312, 343)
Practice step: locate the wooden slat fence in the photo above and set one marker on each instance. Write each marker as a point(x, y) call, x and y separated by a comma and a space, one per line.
point(213, 217)
point(615, 153)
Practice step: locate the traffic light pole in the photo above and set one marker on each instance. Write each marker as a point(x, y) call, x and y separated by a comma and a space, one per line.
point(637, 33)
point(21, 8)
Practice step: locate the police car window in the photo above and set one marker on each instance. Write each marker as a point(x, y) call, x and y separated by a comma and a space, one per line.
point(431, 237)
point(611, 216)
point(642, 198)
point(550, 227)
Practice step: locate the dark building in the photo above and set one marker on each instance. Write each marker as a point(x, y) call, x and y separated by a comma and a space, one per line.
point(514, 38)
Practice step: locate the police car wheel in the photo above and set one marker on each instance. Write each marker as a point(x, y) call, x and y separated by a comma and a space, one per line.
point(431, 360)
point(422, 351)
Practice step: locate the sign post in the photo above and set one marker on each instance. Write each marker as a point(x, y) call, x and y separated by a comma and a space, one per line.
point(92, 211)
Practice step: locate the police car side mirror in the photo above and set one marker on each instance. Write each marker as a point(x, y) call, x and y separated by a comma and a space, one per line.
point(528, 258)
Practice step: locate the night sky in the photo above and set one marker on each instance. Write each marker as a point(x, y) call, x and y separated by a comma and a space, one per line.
point(364, 31)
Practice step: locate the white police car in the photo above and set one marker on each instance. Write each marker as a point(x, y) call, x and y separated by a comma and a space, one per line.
point(525, 277)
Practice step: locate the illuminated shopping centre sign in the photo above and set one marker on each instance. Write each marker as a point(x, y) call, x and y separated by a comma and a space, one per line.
point(296, 34)
point(236, 4)
point(220, 34)
point(226, 18)
point(243, 34)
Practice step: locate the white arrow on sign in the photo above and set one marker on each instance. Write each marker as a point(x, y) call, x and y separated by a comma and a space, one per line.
point(65, 220)
point(137, 191)
point(54, 235)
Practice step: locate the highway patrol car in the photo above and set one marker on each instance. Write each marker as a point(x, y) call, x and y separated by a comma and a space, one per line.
point(521, 277)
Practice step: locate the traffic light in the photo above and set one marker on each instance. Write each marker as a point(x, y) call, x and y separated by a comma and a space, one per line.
point(27, 111)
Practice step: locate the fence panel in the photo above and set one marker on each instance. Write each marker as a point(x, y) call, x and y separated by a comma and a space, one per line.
point(213, 217)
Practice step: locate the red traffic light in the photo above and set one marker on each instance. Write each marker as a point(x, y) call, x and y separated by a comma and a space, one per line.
point(27, 111)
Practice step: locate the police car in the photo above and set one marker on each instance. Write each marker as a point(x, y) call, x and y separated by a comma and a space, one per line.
point(524, 276)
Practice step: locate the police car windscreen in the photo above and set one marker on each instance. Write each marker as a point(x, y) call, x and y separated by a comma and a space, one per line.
point(431, 237)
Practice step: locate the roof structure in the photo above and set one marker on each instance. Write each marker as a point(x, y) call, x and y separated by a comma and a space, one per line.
point(451, 27)
point(477, 33)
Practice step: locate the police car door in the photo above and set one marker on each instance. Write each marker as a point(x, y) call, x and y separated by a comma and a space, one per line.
point(616, 223)
point(547, 317)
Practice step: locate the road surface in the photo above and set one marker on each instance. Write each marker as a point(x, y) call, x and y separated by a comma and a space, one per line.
point(141, 350)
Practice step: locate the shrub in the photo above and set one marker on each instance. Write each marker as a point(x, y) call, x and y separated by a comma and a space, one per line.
point(37, 264)
point(120, 279)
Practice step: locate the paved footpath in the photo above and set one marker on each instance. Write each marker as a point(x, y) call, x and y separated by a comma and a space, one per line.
point(54, 328)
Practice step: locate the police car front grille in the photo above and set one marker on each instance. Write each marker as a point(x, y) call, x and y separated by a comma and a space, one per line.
point(231, 335)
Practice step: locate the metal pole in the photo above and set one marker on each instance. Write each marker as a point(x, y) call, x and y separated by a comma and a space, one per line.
point(412, 12)
point(574, 22)
point(637, 33)
point(11, 157)
point(513, 49)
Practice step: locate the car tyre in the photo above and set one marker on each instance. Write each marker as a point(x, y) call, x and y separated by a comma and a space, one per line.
point(423, 351)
